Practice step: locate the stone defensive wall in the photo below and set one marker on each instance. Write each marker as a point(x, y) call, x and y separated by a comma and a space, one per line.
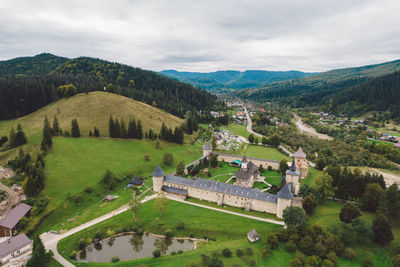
point(257, 161)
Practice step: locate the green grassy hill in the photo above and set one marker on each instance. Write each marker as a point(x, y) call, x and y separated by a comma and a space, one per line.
point(93, 109)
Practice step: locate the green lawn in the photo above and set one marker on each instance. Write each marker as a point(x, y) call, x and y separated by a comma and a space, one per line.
point(228, 230)
point(53, 263)
point(237, 129)
point(312, 174)
point(262, 152)
point(272, 177)
point(75, 164)
point(221, 174)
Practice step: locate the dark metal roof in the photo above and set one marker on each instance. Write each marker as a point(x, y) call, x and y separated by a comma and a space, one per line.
point(240, 157)
point(252, 193)
point(286, 192)
point(293, 167)
point(300, 153)
point(13, 217)
point(251, 170)
point(136, 181)
point(158, 172)
point(207, 146)
point(13, 244)
point(174, 190)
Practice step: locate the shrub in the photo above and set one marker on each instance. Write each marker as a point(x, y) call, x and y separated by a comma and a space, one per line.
point(226, 253)
point(396, 247)
point(265, 252)
point(191, 235)
point(328, 263)
point(168, 233)
point(180, 225)
point(239, 253)
point(272, 241)
point(349, 254)
point(173, 253)
point(282, 235)
point(115, 259)
point(82, 244)
point(331, 256)
point(146, 157)
point(156, 253)
point(396, 261)
point(88, 190)
point(72, 256)
point(367, 262)
point(253, 262)
point(168, 159)
point(249, 251)
point(290, 246)
point(180, 251)
point(270, 168)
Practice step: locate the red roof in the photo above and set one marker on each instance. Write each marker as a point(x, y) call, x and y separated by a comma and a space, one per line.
point(397, 145)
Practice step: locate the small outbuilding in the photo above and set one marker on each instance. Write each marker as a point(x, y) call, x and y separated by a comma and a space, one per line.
point(138, 182)
point(235, 163)
point(253, 236)
point(109, 198)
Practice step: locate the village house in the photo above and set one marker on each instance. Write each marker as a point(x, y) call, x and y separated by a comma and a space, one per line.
point(253, 236)
point(14, 247)
point(10, 222)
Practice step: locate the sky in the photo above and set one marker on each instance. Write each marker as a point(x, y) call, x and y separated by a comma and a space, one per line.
point(202, 35)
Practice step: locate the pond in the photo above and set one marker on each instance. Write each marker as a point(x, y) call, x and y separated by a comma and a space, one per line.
point(132, 246)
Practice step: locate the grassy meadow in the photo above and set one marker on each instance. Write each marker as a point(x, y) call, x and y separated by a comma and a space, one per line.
point(92, 109)
point(237, 129)
point(75, 164)
point(261, 152)
point(229, 231)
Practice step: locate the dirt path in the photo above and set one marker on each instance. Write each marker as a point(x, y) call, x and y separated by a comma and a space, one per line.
point(390, 177)
point(306, 129)
point(12, 199)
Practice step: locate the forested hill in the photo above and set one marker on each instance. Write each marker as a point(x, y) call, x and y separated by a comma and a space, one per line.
point(320, 85)
point(378, 94)
point(27, 84)
point(225, 81)
point(39, 64)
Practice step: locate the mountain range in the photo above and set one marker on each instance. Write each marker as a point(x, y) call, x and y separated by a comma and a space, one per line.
point(230, 80)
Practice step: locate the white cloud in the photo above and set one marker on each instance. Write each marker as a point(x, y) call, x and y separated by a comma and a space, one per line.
point(309, 35)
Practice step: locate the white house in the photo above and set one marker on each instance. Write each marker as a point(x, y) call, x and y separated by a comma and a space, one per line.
point(14, 247)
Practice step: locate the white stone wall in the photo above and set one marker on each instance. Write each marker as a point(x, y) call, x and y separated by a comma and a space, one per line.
point(157, 183)
point(282, 204)
point(230, 200)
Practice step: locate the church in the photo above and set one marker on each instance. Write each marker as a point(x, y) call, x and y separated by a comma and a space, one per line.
point(247, 174)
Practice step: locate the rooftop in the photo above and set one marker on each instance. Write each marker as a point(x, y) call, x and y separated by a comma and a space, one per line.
point(13, 217)
point(174, 190)
point(286, 192)
point(207, 146)
point(252, 193)
point(300, 153)
point(246, 174)
point(158, 172)
point(13, 244)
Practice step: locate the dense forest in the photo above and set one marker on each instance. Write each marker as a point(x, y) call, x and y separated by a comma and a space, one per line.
point(26, 84)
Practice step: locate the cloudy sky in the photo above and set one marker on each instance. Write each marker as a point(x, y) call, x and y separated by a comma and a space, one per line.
point(202, 35)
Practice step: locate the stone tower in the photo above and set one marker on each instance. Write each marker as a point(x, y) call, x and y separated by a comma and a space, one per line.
point(244, 163)
point(285, 197)
point(301, 162)
point(207, 149)
point(293, 176)
point(158, 179)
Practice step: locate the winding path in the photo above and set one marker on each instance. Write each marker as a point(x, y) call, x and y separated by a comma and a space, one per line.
point(12, 199)
point(310, 130)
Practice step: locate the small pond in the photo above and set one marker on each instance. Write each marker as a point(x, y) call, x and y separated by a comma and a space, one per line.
point(132, 246)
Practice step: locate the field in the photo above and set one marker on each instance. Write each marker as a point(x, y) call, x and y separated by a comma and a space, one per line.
point(237, 129)
point(75, 164)
point(229, 231)
point(262, 152)
point(93, 109)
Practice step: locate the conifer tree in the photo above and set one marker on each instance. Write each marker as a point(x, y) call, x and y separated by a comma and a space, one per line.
point(11, 138)
point(90, 133)
point(75, 132)
point(139, 130)
point(123, 131)
point(117, 129)
point(111, 127)
point(46, 141)
point(39, 256)
point(96, 132)
point(20, 137)
point(132, 128)
point(56, 126)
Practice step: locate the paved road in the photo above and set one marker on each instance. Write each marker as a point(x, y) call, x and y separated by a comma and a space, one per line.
point(50, 240)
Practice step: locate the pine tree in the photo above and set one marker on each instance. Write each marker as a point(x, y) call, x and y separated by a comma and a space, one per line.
point(75, 132)
point(117, 129)
point(20, 137)
point(96, 132)
point(111, 127)
point(90, 133)
point(382, 230)
point(139, 130)
point(39, 256)
point(56, 126)
point(180, 168)
point(132, 128)
point(46, 141)
point(123, 131)
point(11, 138)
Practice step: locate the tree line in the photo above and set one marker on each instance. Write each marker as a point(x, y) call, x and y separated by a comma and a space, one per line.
point(23, 94)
